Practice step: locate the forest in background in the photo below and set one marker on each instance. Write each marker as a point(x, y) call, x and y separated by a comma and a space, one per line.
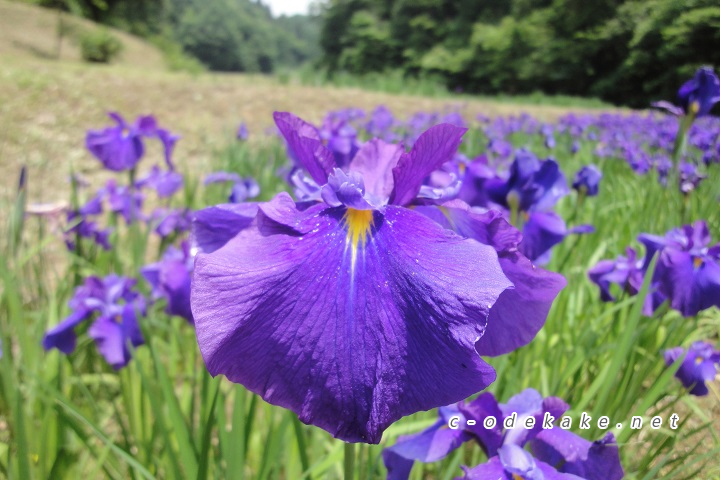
point(627, 52)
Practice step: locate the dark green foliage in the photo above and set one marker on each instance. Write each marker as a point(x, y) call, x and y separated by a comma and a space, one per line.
point(628, 52)
point(99, 46)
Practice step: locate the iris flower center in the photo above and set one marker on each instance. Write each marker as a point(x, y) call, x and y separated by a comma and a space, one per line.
point(358, 223)
point(697, 261)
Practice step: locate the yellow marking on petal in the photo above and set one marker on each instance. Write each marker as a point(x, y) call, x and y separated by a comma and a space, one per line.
point(699, 360)
point(461, 168)
point(446, 212)
point(517, 477)
point(695, 107)
point(697, 261)
point(359, 223)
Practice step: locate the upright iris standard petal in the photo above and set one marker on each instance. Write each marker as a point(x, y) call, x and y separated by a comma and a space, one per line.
point(375, 162)
point(335, 317)
point(431, 150)
point(306, 146)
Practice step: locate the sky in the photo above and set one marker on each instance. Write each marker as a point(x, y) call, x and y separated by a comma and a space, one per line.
point(288, 7)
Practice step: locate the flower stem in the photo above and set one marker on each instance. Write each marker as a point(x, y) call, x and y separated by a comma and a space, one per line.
point(349, 461)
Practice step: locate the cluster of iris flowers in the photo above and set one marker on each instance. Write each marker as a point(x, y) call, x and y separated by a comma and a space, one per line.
point(687, 277)
point(113, 303)
point(687, 273)
point(501, 431)
point(392, 248)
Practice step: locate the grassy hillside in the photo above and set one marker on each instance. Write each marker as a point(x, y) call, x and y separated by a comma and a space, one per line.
point(27, 31)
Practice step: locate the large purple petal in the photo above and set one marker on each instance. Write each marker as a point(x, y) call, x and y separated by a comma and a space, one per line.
point(336, 324)
point(520, 312)
point(434, 147)
point(541, 232)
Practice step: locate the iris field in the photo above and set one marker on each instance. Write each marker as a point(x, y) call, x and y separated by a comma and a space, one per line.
point(607, 226)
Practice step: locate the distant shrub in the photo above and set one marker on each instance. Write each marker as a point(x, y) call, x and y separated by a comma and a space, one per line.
point(99, 46)
point(175, 58)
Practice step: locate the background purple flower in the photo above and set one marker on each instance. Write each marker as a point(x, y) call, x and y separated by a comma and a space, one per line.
point(115, 306)
point(699, 365)
point(170, 279)
point(587, 180)
point(698, 95)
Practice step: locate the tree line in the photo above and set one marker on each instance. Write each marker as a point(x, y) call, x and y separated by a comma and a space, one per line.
point(627, 52)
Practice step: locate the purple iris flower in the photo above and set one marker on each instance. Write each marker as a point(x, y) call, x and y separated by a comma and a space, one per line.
point(124, 200)
point(330, 311)
point(381, 124)
point(698, 95)
point(168, 140)
point(532, 184)
point(221, 177)
point(557, 453)
point(690, 178)
point(169, 222)
point(242, 189)
point(242, 132)
point(120, 147)
point(80, 225)
point(542, 231)
point(513, 462)
point(340, 137)
point(699, 365)
point(587, 180)
point(115, 306)
point(170, 279)
point(628, 272)
point(688, 270)
point(573, 455)
point(165, 183)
